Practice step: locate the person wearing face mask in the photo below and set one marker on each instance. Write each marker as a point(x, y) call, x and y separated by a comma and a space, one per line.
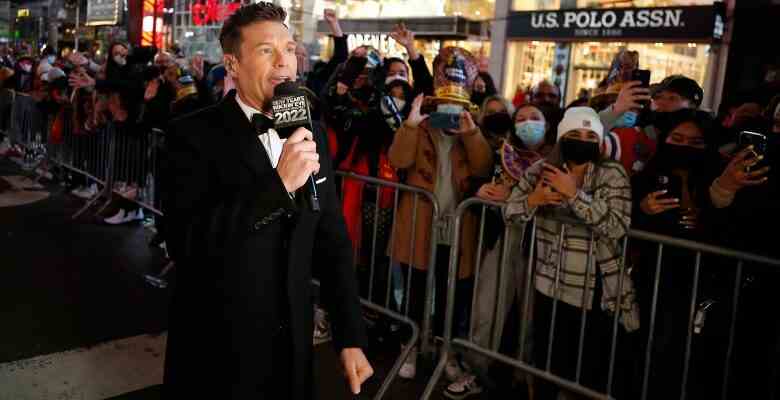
point(421, 75)
point(396, 101)
point(441, 161)
point(47, 60)
point(362, 117)
point(483, 88)
point(626, 141)
point(127, 68)
point(530, 130)
point(23, 75)
point(574, 181)
point(517, 150)
point(496, 120)
point(671, 197)
point(745, 196)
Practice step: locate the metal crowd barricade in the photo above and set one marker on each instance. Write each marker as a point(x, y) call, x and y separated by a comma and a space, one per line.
point(25, 126)
point(378, 252)
point(135, 172)
point(25, 119)
point(489, 348)
point(698, 249)
point(123, 163)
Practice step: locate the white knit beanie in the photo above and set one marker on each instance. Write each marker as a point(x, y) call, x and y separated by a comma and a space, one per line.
point(581, 118)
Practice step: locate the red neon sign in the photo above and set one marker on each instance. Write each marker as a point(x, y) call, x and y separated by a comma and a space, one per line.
point(205, 12)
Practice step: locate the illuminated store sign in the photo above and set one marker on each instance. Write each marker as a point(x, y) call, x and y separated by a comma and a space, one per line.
point(668, 23)
point(209, 12)
point(102, 12)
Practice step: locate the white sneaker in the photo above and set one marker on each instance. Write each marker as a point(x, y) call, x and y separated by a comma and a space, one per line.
point(44, 173)
point(118, 218)
point(137, 215)
point(409, 368)
point(464, 387)
point(453, 370)
point(86, 193)
point(78, 190)
point(123, 217)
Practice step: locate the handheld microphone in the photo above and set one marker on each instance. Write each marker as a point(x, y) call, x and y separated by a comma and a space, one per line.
point(291, 111)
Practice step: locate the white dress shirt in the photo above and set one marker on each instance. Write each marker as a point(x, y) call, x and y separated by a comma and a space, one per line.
point(270, 140)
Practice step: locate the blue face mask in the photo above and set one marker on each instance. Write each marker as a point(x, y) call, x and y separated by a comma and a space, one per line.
point(51, 59)
point(530, 132)
point(627, 120)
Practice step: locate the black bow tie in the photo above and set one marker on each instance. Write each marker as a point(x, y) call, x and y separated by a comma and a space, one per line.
point(262, 123)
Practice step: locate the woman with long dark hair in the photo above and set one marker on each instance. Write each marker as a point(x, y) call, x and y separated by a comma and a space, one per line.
point(518, 141)
point(671, 197)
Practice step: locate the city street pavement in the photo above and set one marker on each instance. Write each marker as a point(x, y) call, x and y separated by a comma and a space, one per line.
point(80, 322)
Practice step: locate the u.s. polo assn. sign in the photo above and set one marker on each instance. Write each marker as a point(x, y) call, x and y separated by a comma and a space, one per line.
point(696, 23)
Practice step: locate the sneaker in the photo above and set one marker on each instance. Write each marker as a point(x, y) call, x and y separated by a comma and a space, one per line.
point(85, 193)
point(118, 218)
point(44, 173)
point(452, 370)
point(123, 217)
point(464, 387)
point(409, 368)
point(137, 215)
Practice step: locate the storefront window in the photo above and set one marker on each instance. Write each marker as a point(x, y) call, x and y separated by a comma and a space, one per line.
point(390, 48)
point(473, 9)
point(591, 62)
point(528, 63)
point(641, 3)
point(534, 5)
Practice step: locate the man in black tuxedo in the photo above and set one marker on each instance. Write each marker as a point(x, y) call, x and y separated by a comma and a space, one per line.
point(245, 239)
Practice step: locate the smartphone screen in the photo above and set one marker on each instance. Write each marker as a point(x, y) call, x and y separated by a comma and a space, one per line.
point(759, 143)
point(641, 75)
point(672, 184)
point(446, 121)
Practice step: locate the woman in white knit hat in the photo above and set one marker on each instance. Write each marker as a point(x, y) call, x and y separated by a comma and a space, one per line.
point(575, 182)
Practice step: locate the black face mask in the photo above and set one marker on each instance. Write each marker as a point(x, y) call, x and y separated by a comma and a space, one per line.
point(674, 156)
point(578, 151)
point(478, 98)
point(364, 93)
point(498, 123)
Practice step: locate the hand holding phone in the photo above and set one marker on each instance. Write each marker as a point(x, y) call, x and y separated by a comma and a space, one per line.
point(632, 96)
point(737, 175)
point(665, 197)
point(757, 143)
point(642, 76)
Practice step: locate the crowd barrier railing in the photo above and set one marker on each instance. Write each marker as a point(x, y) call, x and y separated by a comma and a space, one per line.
point(24, 126)
point(376, 254)
point(514, 255)
point(124, 164)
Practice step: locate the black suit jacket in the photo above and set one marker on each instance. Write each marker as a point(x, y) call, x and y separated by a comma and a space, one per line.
point(232, 227)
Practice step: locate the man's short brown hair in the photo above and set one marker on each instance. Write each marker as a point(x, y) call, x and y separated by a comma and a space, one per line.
point(230, 36)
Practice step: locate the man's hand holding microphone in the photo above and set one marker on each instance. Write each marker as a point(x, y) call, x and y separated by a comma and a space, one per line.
point(299, 160)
